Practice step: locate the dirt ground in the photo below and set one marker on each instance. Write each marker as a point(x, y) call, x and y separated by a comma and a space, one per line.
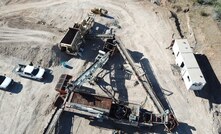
point(30, 29)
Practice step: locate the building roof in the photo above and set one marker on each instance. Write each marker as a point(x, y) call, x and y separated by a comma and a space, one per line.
point(196, 75)
point(28, 69)
point(189, 60)
point(183, 45)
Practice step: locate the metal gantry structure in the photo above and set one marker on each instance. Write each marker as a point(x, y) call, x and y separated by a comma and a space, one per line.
point(72, 99)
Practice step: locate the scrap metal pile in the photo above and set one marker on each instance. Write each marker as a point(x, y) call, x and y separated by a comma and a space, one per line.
point(73, 98)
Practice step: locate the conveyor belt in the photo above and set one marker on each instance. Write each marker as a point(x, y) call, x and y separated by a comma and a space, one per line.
point(54, 119)
point(100, 61)
point(146, 85)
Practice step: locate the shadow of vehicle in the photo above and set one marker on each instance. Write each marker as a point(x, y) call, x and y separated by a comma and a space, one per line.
point(59, 56)
point(212, 89)
point(15, 88)
point(108, 16)
point(48, 76)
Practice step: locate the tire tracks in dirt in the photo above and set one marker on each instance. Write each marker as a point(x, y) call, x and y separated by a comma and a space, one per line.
point(1, 97)
point(19, 7)
point(24, 35)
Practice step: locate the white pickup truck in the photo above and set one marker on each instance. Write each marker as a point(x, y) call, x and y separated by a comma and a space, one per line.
point(30, 71)
point(5, 82)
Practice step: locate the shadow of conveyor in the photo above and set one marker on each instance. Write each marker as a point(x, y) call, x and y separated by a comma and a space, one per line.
point(145, 64)
point(110, 125)
point(65, 123)
point(182, 128)
point(118, 80)
point(117, 76)
point(212, 89)
point(146, 67)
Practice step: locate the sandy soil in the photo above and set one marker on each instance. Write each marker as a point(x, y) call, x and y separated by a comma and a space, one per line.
point(30, 29)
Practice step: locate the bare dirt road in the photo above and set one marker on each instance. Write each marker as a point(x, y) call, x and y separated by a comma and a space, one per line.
point(29, 30)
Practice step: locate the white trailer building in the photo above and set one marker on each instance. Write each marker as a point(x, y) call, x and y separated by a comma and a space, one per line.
point(190, 71)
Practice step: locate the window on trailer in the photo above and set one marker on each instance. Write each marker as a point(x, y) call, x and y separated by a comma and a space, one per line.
point(182, 65)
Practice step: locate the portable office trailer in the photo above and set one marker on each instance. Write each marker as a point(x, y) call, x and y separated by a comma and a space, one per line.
point(189, 68)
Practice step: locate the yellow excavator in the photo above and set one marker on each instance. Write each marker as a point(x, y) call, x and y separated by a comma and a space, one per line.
point(99, 11)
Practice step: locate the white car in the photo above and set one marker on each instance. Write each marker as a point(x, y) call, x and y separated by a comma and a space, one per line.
point(30, 71)
point(5, 82)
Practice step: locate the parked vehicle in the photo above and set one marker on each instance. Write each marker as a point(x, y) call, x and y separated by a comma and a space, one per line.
point(5, 82)
point(100, 11)
point(30, 71)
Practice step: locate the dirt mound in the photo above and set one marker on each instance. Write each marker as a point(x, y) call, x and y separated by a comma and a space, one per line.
point(44, 56)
